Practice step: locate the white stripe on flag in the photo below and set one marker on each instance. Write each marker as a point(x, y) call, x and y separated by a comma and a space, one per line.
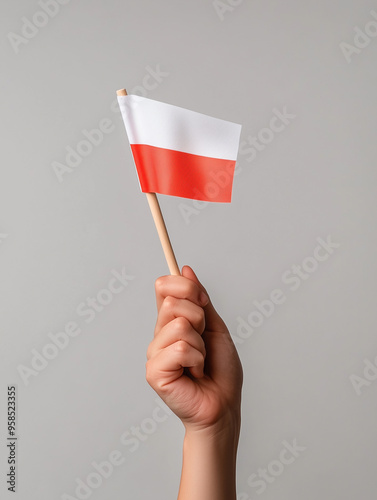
point(170, 127)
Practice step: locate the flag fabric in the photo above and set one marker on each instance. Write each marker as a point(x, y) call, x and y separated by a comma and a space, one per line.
point(179, 152)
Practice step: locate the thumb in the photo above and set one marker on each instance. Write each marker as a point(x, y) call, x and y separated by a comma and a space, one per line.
point(213, 321)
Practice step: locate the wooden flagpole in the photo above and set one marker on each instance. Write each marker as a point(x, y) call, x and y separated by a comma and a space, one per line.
point(160, 224)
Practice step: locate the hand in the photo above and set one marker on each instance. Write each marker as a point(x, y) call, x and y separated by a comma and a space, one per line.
point(193, 364)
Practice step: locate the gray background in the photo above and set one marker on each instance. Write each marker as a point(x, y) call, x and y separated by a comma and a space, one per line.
point(60, 241)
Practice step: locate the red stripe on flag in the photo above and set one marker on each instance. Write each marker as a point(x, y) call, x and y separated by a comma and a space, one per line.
point(181, 174)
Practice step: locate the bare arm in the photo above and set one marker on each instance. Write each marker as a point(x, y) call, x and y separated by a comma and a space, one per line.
point(209, 463)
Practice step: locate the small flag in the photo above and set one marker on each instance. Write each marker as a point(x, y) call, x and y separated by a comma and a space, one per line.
point(179, 152)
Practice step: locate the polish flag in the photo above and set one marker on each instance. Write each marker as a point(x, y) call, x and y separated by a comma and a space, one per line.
point(179, 152)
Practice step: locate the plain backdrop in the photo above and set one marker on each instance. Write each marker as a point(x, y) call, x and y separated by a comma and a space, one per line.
point(64, 235)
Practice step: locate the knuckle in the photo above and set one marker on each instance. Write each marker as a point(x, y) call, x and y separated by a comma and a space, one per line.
point(169, 302)
point(159, 283)
point(181, 324)
point(181, 346)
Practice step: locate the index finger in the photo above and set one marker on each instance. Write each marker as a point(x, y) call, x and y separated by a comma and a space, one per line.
point(179, 287)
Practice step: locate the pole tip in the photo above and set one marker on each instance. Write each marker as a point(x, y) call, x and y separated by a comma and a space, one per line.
point(122, 92)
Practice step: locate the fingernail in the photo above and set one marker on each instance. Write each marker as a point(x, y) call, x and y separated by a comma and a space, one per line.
point(204, 298)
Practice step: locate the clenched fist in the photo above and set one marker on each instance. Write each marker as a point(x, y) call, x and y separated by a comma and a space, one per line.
point(193, 364)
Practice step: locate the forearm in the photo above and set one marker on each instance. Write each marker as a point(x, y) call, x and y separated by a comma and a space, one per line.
point(209, 462)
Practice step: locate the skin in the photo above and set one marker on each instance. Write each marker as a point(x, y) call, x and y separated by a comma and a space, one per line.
point(194, 367)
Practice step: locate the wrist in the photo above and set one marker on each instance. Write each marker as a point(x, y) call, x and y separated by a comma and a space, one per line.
point(226, 430)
